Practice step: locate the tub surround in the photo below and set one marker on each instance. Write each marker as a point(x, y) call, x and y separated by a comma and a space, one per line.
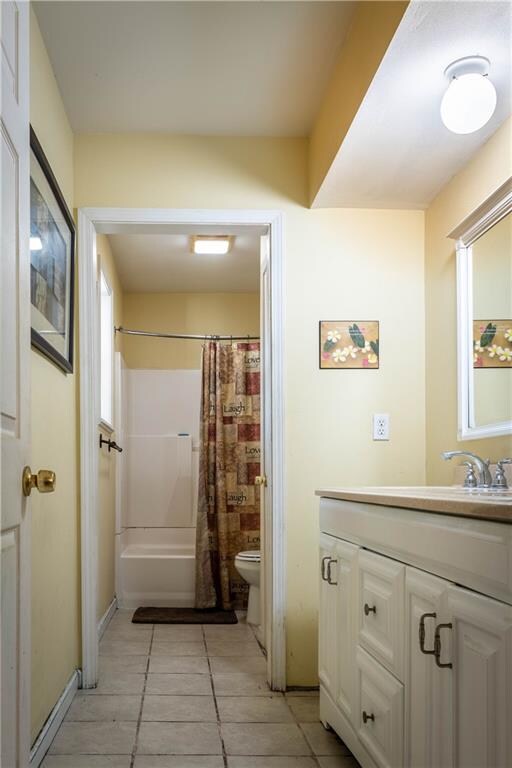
point(415, 630)
point(445, 500)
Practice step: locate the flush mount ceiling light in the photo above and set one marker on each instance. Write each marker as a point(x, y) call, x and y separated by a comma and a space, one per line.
point(470, 99)
point(215, 245)
point(35, 243)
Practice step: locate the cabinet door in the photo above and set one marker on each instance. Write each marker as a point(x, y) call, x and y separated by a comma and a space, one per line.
point(327, 645)
point(479, 645)
point(346, 572)
point(427, 687)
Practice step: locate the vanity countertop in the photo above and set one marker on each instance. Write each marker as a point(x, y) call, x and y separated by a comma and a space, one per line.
point(446, 500)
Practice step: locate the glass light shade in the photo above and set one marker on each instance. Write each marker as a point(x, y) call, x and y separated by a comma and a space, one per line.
point(468, 103)
point(214, 246)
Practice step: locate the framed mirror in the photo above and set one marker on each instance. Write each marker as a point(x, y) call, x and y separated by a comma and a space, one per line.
point(484, 318)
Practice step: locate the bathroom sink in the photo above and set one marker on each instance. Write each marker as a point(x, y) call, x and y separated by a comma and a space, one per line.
point(503, 496)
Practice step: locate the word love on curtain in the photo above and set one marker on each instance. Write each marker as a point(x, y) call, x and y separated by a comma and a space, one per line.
point(228, 518)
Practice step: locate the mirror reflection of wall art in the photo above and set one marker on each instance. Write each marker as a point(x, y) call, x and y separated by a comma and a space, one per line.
point(52, 253)
point(349, 344)
point(492, 343)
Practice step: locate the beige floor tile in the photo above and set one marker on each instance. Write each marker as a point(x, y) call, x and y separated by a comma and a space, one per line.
point(254, 709)
point(233, 648)
point(323, 742)
point(178, 665)
point(263, 739)
point(179, 685)
point(338, 761)
point(240, 684)
point(87, 761)
point(305, 708)
point(118, 683)
point(178, 633)
point(252, 664)
point(238, 632)
point(179, 739)
point(184, 648)
point(113, 665)
point(187, 709)
point(94, 738)
point(104, 708)
point(127, 633)
point(247, 761)
point(181, 761)
point(124, 647)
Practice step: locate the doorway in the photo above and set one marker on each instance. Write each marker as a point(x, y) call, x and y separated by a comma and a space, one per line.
point(268, 226)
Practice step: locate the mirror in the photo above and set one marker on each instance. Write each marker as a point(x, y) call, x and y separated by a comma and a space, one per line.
point(484, 288)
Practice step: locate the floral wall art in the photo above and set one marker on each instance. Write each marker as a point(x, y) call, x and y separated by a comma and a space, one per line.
point(349, 344)
point(492, 343)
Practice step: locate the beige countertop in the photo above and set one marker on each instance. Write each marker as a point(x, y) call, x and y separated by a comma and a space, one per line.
point(446, 500)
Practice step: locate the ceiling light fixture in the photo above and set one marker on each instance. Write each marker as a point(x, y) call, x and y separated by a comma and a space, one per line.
point(36, 244)
point(211, 245)
point(470, 99)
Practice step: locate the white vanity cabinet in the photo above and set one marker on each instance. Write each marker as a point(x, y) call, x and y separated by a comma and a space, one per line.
point(415, 669)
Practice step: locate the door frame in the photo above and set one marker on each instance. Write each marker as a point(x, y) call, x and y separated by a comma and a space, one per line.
point(109, 221)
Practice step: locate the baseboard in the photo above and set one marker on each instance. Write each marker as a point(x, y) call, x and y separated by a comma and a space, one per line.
point(105, 619)
point(157, 599)
point(52, 725)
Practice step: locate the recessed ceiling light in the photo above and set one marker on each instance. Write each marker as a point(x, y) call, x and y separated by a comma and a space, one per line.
point(470, 100)
point(36, 244)
point(215, 245)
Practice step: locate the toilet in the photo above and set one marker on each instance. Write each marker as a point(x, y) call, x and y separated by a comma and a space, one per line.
point(248, 566)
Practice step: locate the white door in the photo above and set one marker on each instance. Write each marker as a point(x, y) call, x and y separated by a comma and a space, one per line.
point(328, 629)
point(15, 386)
point(345, 573)
point(427, 687)
point(265, 452)
point(479, 645)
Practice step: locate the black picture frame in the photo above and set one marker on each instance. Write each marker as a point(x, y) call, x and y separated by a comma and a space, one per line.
point(52, 265)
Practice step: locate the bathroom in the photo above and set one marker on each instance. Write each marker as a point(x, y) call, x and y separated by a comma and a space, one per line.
point(173, 285)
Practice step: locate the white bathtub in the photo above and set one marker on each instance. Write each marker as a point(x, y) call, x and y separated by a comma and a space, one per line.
point(156, 567)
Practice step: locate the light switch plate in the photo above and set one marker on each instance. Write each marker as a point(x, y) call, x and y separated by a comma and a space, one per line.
point(381, 426)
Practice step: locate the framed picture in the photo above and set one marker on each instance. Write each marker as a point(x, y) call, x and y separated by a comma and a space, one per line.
point(492, 343)
point(349, 344)
point(52, 257)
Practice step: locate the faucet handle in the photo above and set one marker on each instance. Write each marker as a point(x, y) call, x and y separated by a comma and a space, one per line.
point(500, 481)
point(470, 479)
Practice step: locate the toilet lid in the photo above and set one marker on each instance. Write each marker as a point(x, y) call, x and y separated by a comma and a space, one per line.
point(253, 555)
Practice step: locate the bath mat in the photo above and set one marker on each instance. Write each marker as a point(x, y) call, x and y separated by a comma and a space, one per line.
point(183, 616)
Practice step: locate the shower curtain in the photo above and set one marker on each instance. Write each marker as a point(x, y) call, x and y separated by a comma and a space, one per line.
point(228, 517)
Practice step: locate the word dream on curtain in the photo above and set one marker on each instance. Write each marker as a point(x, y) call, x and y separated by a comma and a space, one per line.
point(228, 519)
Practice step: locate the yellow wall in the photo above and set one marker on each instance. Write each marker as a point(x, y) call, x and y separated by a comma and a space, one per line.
point(107, 461)
point(55, 518)
point(196, 313)
point(371, 31)
point(489, 168)
point(339, 264)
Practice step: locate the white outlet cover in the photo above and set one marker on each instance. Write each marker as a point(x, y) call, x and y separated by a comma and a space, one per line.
point(381, 426)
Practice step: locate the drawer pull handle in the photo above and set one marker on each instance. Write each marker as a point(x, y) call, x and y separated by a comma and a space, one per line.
point(329, 580)
point(324, 561)
point(422, 633)
point(367, 717)
point(437, 645)
point(368, 610)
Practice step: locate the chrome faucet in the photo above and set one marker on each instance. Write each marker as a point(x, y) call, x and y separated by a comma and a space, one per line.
point(484, 475)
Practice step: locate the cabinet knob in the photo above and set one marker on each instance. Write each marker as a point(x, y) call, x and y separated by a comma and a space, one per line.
point(367, 717)
point(368, 610)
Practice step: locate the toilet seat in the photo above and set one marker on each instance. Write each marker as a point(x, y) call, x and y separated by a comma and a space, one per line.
point(252, 556)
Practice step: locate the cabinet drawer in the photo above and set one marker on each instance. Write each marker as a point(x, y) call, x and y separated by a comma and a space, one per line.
point(381, 609)
point(380, 712)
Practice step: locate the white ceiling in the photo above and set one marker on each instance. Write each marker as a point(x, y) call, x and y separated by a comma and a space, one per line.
point(149, 263)
point(233, 68)
point(397, 153)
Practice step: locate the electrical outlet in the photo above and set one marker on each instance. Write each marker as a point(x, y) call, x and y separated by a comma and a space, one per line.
point(381, 426)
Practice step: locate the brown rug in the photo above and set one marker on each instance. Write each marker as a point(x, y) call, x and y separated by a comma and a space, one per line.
point(183, 616)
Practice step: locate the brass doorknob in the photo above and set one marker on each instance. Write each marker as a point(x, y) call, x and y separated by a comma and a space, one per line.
point(260, 480)
point(44, 481)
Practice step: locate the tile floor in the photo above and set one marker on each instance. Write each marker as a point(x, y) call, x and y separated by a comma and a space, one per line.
point(183, 696)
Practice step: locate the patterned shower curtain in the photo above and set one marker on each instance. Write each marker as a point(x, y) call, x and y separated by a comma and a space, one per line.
point(228, 517)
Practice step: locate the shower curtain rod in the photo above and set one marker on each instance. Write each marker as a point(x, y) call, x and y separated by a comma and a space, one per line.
point(196, 337)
